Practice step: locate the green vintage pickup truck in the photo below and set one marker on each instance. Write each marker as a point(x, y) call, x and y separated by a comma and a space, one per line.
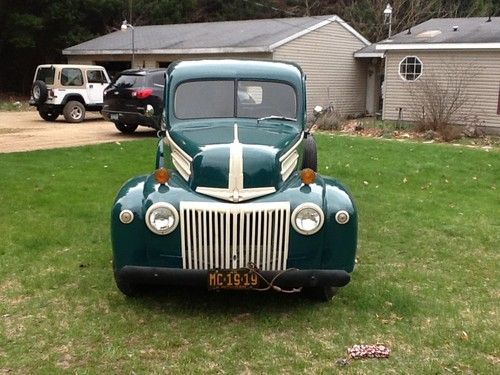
point(243, 207)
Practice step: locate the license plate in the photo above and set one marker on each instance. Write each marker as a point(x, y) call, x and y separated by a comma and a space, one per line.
point(232, 279)
point(113, 116)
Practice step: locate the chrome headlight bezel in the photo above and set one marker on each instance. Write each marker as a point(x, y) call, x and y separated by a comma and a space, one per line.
point(157, 206)
point(299, 209)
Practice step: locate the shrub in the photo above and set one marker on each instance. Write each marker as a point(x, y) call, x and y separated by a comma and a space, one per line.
point(450, 133)
point(330, 120)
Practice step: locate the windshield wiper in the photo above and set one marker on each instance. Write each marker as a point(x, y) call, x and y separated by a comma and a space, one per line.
point(275, 117)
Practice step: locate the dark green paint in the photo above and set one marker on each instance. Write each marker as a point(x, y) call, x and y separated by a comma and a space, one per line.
point(333, 247)
point(208, 143)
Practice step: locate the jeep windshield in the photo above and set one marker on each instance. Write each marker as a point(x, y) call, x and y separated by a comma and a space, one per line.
point(230, 98)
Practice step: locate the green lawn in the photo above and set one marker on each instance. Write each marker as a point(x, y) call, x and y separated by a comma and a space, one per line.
point(426, 284)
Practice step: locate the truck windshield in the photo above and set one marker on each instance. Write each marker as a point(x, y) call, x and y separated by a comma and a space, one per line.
point(229, 98)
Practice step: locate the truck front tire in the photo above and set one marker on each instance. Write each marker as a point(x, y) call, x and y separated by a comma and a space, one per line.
point(310, 158)
point(320, 293)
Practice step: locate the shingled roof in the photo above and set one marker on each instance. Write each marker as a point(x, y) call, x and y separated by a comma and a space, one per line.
point(209, 37)
point(448, 33)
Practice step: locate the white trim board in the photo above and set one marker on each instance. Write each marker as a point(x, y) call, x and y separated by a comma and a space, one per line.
point(349, 28)
point(436, 46)
point(335, 18)
point(369, 54)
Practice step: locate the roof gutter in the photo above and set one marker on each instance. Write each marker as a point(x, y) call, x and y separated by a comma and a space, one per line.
point(436, 46)
point(168, 51)
point(369, 54)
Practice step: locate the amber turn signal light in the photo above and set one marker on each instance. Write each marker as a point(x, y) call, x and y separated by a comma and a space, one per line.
point(161, 175)
point(307, 176)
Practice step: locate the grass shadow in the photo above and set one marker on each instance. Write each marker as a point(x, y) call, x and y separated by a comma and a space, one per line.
point(150, 133)
point(194, 300)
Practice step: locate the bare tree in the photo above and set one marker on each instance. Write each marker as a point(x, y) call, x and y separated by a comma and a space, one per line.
point(442, 98)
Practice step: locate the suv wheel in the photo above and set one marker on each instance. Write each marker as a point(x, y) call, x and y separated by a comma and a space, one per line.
point(39, 92)
point(126, 128)
point(74, 111)
point(48, 115)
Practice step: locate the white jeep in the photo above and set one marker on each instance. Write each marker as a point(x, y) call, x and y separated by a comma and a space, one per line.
point(69, 90)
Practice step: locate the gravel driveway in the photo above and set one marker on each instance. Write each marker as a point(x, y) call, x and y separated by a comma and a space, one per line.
point(26, 131)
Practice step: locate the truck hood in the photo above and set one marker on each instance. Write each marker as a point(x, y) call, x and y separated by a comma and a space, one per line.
point(235, 162)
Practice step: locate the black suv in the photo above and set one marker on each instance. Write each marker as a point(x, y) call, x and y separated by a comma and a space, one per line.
point(135, 97)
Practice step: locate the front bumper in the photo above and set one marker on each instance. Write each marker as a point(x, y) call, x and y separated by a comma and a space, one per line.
point(291, 278)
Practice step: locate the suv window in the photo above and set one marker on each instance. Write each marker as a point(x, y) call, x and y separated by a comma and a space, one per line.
point(125, 81)
point(96, 76)
point(46, 75)
point(71, 77)
point(158, 79)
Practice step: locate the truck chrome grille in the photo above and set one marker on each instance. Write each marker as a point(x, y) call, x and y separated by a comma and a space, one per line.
point(230, 236)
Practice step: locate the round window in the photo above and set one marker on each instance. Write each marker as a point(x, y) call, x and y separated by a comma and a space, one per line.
point(410, 68)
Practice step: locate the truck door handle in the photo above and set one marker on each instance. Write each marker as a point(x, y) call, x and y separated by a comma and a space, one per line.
point(90, 86)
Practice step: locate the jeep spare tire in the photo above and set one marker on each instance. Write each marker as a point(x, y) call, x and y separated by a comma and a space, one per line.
point(74, 111)
point(39, 92)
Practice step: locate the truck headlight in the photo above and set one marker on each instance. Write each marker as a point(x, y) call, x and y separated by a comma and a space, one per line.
point(162, 218)
point(307, 218)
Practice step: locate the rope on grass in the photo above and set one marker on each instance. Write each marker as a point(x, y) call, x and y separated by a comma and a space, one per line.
point(270, 284)
point(368, 351)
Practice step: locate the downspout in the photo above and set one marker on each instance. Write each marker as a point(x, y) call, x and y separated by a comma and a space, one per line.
point(385, 85)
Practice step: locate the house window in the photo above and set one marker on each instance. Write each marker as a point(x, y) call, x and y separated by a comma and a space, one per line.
point(410, 68)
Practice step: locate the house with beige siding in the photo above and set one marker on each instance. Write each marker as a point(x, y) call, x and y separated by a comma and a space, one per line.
point(447, 54)
point(323, 46)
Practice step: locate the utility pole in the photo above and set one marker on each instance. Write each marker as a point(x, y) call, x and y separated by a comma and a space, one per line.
point(130, 11)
